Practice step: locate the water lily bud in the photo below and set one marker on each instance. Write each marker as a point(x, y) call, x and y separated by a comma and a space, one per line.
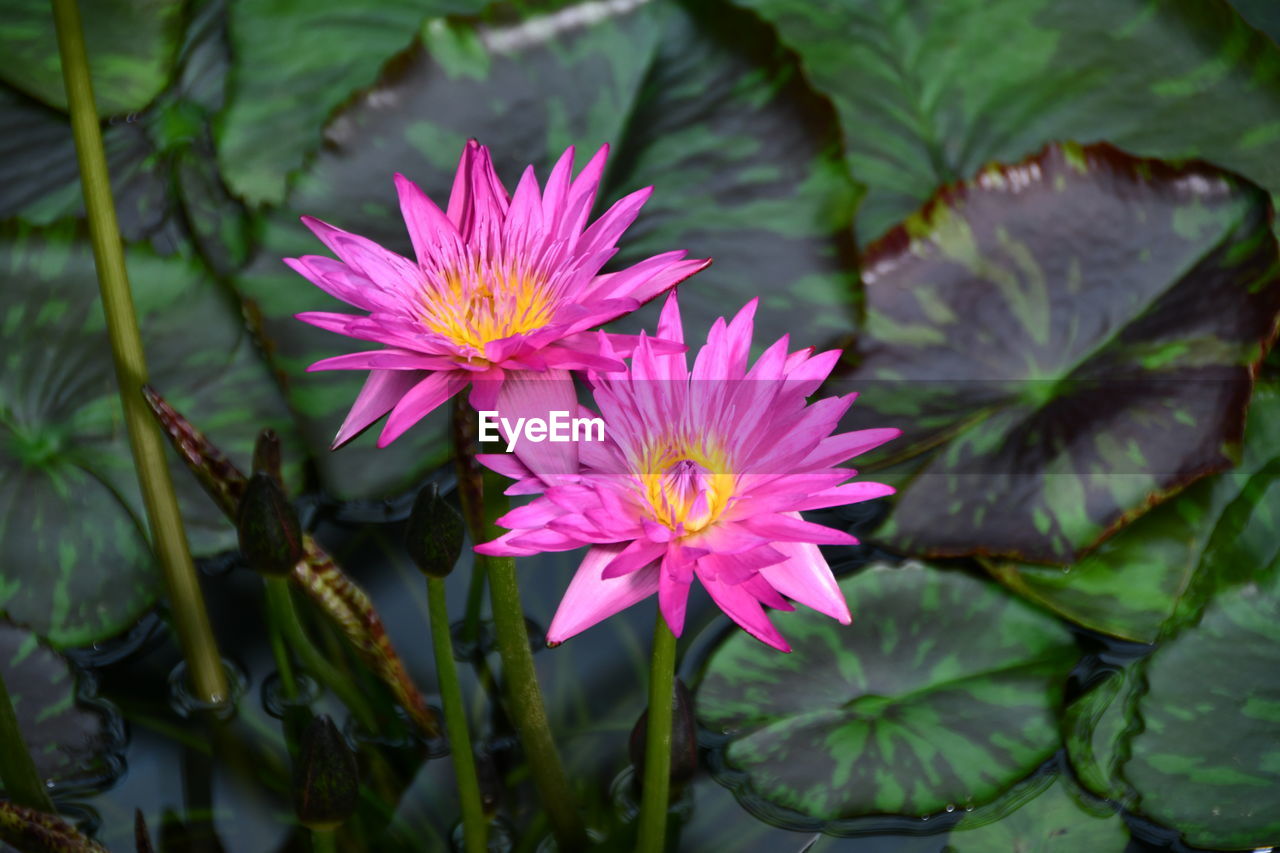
point(435, 533)
point(270, 535)
point(141, 836)
point(326, 781)
point(684, 739)
point(266, 455)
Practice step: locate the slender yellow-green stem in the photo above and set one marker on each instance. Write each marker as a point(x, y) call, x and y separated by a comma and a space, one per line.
point(480, 505)
point(285, 615)
point(475, 826)
point(168, 537)
point(276, 589)
point(655, 792)
point(22, 783)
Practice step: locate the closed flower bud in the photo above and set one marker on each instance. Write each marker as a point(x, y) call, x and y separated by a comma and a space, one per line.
point(326, 781)
point(141, 836)
point(435, 533)
point(270, 535)
point(684, 739)
point(266, 454)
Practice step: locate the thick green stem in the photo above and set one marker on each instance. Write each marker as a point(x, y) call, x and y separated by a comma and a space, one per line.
point(655, 799)
point(277, 606)
point(475, 826)
point(284, 614)
point(524, 704)
point(169, 539)
point(22, 783)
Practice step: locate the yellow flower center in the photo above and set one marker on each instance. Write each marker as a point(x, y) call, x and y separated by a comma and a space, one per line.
point(479, 305)
point(686, 483)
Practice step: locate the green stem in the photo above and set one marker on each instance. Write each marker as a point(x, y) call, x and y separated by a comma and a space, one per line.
point(324, 841)
point(474, 824)
point(277, 606)
point(280, 601)
point(18, 773)
point(195, 634)
point(655, 799)
point(525, 707)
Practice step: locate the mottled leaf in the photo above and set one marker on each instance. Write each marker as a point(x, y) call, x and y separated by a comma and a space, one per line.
point(706, 109)
point(1262, 14)
point(929, 92)
point(943, 692)
point(76, 743)
point(76, 566)
point(1167, 564)
point(1065, 342)
point(1057, 820)
point(131, 46)
point(281, 98)
point(1192, 740)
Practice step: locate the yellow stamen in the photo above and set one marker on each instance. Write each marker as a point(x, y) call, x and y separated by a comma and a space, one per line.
point(479, 305)
point(676, 474)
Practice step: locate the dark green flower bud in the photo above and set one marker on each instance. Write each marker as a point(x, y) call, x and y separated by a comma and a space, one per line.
point(326, 781)
point(684, 740)
point(141, 836)
point(435, 533)
point(270, 535)
point(266, 455)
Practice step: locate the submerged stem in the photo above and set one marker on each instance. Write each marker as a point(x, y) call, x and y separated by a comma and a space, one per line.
point(656, 786)
point(22, 783)
point(524, 702)
point(475, 826)
point(169, 539)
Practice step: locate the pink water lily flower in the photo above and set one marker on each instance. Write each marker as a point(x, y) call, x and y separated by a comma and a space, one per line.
point(500, 286)
point(702, 474)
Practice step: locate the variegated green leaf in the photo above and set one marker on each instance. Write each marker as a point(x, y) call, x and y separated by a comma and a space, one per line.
point(1167, 564)
point(943, 692)
point(77, 567)
point(928, 92)
point(1058, 819)
point(1065, 342)
point(702, 104)
point(76, 744)
point(131, 46)
point(1190, 737)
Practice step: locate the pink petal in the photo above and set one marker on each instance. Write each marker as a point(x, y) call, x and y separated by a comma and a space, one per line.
point(792, 528)
point(342, 282)
point(428, 227)
point(381, 391)
point(837, 448)
point(634, 557)
point(606, 230)
point(506, 464)
point(805, 577)
point(556, 192)
point(673, 600)
point(535, 514)
point(536, 395)
point(367, 257)
point(420, 401)
point(744, 608)
point(383, 359)
point(591, 598)
point(849, 493)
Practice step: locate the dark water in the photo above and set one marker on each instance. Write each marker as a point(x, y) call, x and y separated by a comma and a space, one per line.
point(206, 785)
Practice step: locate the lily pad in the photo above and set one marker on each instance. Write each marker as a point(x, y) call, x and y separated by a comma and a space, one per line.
point(943, 692)
point(76, 744)
point(280, 99)
point(930, 92)
point(703, 105)
point(1191, 743)
point(131, 46)
point(1057, 820)
point(1161, 570)
point(1066, 342)
point(77, 567)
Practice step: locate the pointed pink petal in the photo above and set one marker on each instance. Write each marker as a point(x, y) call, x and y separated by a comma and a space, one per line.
point(342, 282)
point(537, 395)
point(459, 209)
point(556, 192)
point(591, 598)
point(420, 401)
point(383, 359)
point(849, 493)
point(381, 391)
point(743, 607)
point(385, 267)
point(506, 464)
point(837, 448)
point(673, 600)
point(805, 577)
point(606, 230)
point(536, 514)
point(792, 528)
point(428, 227)
point(634, 557)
